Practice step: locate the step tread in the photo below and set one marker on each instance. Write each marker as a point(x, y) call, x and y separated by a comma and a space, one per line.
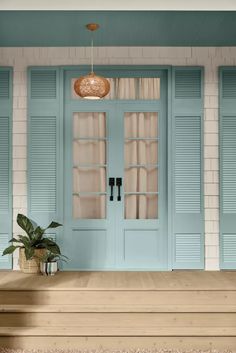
point(120, 280)
point(117, 331)
point(70, 308)
point(98, 298)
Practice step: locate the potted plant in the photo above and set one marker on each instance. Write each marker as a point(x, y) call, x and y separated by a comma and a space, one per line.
point(49, 263)
point(33, 245)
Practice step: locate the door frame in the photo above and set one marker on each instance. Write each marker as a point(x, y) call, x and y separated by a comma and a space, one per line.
point(129, 71)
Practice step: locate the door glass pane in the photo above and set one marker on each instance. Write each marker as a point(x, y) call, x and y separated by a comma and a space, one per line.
point(89, 165)
point(89, 179)
point(141, 165)
point(133, 88)
point(141, 152)
point(89, 125)
point(89, 206)
point(141, 124)
point(141, 206)
point(141, 179)
point(89, 151)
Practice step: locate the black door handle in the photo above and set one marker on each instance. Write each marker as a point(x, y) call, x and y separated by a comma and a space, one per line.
point(119, 184)
point(111, 184)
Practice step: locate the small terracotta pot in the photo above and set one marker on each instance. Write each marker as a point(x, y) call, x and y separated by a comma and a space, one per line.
point(33, 265)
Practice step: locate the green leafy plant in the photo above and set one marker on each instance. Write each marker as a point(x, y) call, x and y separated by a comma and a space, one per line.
point(51, 257)
point(34, 238)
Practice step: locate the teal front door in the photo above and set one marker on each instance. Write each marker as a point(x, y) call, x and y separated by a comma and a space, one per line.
point(115, 187)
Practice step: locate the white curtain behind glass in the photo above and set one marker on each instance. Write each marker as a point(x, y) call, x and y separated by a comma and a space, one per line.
point(134, 88)
point(141, 158)
point(89, 158)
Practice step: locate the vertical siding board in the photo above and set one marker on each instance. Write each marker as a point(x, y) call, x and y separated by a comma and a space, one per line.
point(187, 168)
point(6, 81)
point(44, 146)
point(227, 102)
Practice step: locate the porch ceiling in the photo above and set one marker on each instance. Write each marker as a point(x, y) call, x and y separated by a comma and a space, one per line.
point(118, 28)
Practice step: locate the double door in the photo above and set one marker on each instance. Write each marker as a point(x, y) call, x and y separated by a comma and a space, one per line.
point(115, 184)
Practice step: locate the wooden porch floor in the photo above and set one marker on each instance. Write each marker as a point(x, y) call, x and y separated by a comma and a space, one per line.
point(176, 280)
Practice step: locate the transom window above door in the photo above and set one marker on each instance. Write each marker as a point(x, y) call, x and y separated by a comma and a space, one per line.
point(134, 88)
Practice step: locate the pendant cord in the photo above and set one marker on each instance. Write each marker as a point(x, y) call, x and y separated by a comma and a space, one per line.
point(92, 53)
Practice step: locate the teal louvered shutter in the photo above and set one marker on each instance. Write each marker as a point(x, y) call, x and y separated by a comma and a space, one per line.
point(187, 168)
point(228, 168)
point(5, 164)
point(44, 146)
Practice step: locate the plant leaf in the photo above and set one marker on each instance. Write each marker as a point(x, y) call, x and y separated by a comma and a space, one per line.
point(14, 240)
point(54, 249)
point(10, 250)
point(25, 223)
point(38, 233)
point(29, 253)
point(54, 225)
point(25, 241)
point(50, 245)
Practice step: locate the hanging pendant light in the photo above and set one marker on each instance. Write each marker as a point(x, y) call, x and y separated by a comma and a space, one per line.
point(92, 86)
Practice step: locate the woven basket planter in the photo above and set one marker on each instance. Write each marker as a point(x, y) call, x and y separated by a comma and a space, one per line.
point(33, 265)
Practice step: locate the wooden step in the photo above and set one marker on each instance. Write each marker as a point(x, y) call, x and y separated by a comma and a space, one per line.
point(113, 308)
point(120, 280)
point(119, 343)
point(124, 331)
point(113, 320)
point(120, 298)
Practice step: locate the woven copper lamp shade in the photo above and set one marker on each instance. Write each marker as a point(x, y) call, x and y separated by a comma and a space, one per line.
point(92, 86)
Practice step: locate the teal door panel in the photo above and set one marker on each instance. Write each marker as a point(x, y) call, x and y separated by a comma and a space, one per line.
point(112, 241)
point(89, 249)
point(141, 248)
